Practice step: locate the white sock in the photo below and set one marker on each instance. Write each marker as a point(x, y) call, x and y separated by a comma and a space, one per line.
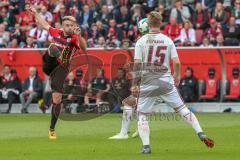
point(191, 119)
point(143, 129)
point(126, 119)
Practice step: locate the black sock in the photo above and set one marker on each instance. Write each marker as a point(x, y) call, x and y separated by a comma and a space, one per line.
point(56, 108)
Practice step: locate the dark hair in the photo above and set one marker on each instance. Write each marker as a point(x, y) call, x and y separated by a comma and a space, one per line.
point(189, 69)
point(122, 69)
point(102, 71)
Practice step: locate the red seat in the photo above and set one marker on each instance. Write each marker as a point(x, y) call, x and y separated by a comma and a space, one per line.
point(234, 89)
point(199, 36)
point(211, 89)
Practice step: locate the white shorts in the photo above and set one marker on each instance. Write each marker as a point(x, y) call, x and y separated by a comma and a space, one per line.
point(166, 91)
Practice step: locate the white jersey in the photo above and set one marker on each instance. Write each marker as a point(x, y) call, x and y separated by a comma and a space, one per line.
point(156, 49)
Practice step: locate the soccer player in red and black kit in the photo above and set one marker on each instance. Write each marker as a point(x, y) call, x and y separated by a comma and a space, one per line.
point(57, 58)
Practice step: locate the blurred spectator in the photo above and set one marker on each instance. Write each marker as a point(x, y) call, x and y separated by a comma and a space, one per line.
point(30, 43)
point(97, 88)
point(114, 31)
point(137, 14)
point(111, 3)
point(227, 3)
point(120, 90)
point(86, 17)
point(206, 43)
point(25, 19)
point(102, 30)
point(165, 15)
point(236, 11)
point(32, 89)
point(189, 3)
point(60, 13)
point(16, 32)
point(93, 33)
point(200, 17)
point(10, 87)
point(231, 33)
point(4, 36)
point(133, 2)
point(208, 4)
point(13, 43)
point(180, 12)
point(123, 18)
point(126, 44)
point(45, 14)
point(149, 5)
point(220, 41)
point(101, 43)
point(7, 18)
point(188, 35)
point(104, 15)
point(213, 31)
point(220, 14)
point(188, 87)
point(39, 35)
point(71, 91)
point(74, 3)
point(173, 30)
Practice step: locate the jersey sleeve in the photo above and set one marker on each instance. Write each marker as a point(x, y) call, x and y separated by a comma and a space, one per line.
point(75, 41)
point(173, 51)
point(138, 55)
point(54, 31)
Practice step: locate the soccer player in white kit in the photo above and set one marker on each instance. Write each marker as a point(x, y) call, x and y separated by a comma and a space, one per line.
point(153, 53)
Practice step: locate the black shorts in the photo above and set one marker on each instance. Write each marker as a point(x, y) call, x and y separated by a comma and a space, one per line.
point(56, 71)
point(49, 63)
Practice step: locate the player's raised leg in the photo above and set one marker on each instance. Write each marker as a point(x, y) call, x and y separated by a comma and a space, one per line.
point(192, 120)
point(174, 100)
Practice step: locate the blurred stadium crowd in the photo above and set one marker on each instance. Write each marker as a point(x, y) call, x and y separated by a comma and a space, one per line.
point(113, 23)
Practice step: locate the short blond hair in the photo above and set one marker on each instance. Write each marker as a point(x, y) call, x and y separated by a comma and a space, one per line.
point(154, 19)
point(189, 24)
point(69, 18)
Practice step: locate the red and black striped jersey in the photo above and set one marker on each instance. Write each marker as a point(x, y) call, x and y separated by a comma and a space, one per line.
point(66, 45)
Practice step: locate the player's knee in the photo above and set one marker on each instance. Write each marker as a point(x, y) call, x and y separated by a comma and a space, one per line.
point(57, 98)
point(178, 109)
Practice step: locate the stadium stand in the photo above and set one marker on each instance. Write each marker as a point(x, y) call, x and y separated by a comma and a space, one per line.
point(114, 21)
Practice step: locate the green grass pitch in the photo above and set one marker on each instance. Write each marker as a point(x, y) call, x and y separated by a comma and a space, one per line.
point(24, 137)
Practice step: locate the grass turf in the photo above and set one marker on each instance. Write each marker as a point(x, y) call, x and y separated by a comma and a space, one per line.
point(24, 137)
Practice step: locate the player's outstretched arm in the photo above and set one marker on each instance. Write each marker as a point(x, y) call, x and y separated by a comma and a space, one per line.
point(44, 24)
point(136, 73)
point(82, 42)
point(177, 70)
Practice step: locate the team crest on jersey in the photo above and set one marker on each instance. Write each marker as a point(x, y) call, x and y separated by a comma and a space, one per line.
point(68, 39)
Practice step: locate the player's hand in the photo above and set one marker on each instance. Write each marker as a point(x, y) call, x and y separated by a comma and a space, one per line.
point(77, 31)
point(32, 10)
point(135, 91)
point(177, 80)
